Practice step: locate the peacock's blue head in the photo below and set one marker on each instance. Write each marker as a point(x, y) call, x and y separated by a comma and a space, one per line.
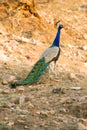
point(60, 26)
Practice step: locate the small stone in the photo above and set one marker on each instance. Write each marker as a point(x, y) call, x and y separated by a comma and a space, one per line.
point(30, 105)
point(80, 76)
point(21, 116)
point(26, 127)
point(84, 122)
point(63, 110)
point(11, 123)
point(11, 78)
point(72, 76)
point(27, 99)
point(85, 64)
point(8, 80)
point(82, 126)
point(85, 36)
point(46, 113)
point(83, 69)
point(20, 121)
point(51, 112)
point(4, 82)
point(16, 101)
point(11, 105)
point(21, 111)
point(21, 89)
point(28, 57)
point(80, 98)
point(59, 90)
point(42, 123)
point(6, 118)
point(85, 48)
point(56, 90)
point(64, 100)
point(21, 100)
point(76, 88)
point(70, 46)
point(7, 91)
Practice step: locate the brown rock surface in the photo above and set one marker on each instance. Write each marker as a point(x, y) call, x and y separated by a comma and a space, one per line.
point(27, 28)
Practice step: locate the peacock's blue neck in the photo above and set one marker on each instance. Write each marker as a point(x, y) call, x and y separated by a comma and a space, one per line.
point(57, 39)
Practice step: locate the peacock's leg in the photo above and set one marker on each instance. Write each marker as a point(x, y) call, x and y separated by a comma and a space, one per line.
point(52, 70)
point(55, 68)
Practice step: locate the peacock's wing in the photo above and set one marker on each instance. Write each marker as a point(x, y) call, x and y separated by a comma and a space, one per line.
point(50, 53)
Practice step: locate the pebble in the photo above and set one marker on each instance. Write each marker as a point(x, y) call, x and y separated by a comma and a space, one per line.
point(11, 78)
point(20, 121)
point(6, 118)
point(8, 80)
point(76, 88)
point(11, 123)
point(82, 126)
point(16, 101)
point(20, 89)
point(72, 76)
point(59, 90)
point(80, 98)
point(46, 113)
point(30, 105)
point(85, 36)
point(84, 48)
point(21, 100)
point(26, 127)
point(70, 46)
point(21, 111)
point(4, 82)
point(56, 90)
point(7, 91)
point(84, 122)
point(85, 64)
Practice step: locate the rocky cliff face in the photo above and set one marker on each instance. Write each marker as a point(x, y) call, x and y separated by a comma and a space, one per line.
point(20, 21)
point(26, 24)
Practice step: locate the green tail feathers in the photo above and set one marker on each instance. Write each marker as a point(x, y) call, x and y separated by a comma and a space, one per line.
point(34, 74)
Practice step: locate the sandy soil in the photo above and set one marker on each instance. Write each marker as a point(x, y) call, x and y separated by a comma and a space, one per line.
point(26, 30)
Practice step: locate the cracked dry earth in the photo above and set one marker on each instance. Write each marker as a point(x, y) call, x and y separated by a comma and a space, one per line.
point(26, 30)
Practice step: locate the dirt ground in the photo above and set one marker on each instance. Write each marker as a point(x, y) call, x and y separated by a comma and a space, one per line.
point(27, 28)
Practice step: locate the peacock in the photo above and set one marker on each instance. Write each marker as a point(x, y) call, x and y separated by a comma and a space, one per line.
point(50, 54)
